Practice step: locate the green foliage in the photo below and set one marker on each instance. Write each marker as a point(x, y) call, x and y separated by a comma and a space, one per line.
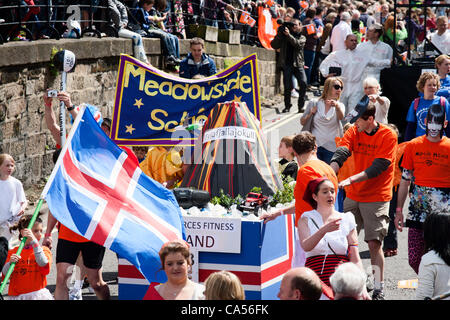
point(52, 68)
point(225, 200)
point(256, 190)
point(284, 195)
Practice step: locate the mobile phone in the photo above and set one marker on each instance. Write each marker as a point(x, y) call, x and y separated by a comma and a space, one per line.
point(336, 70)
point(52, 93)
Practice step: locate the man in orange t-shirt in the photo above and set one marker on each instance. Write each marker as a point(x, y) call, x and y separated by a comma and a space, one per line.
point(369, 188)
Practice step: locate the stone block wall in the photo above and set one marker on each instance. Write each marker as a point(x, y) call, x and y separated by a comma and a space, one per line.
point(24, 77)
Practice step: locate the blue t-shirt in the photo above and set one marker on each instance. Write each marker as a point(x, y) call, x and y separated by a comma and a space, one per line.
point(421, 113)
point(444, 90)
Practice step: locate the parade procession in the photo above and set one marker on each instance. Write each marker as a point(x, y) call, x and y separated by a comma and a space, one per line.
point(149, 151)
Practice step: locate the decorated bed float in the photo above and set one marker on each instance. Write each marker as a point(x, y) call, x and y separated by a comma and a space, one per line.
point(230, 175)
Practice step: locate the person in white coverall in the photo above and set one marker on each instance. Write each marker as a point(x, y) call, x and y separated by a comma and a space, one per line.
point(375, 49)
point(352, 62)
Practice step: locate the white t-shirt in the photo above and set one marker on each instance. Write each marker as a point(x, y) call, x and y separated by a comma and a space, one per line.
point(381, 110)
point(441, 42)
point(337, 239)
point(338, 35)
point(12, 195)
point(326, 126)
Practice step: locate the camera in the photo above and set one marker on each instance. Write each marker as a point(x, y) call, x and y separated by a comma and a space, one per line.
point(52, 93)
point(284, 25)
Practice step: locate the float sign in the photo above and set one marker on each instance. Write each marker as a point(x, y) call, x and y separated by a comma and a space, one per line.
point(213, 234)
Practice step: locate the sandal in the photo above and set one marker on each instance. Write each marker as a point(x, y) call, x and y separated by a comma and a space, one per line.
point(390, 252)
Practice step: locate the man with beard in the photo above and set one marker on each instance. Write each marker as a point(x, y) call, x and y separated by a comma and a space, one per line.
point(291, 42)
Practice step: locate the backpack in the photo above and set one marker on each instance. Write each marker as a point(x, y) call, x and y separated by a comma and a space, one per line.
point(416, 102)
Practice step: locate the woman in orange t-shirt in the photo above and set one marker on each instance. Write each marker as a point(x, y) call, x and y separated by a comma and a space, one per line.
point(28, 280)
point(427, 159)
point(305, 150)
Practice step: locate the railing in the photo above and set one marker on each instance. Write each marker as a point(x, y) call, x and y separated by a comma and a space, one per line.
point(19, 21)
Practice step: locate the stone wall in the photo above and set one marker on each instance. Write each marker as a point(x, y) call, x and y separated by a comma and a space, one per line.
point(24, 76)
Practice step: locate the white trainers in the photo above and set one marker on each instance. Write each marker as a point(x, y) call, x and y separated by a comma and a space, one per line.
point(294, 93)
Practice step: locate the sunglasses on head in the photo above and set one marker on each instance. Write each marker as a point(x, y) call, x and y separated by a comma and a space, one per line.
point(337, 87)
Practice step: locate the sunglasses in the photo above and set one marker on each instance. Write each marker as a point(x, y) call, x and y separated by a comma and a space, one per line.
point(338, 87)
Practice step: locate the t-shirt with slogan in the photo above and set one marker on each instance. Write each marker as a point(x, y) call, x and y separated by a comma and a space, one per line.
point(429, 161)
point(312, 169)
point(366, 148)
point(420, 114)
point(28, 276)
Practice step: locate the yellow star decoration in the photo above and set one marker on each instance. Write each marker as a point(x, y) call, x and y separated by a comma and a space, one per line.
point(138, 103)
point(130, 129)
point(237, 99)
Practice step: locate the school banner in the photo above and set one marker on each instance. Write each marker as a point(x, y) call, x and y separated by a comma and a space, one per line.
point(154, 108)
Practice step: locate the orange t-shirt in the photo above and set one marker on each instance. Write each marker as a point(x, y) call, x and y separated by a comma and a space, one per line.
point(67, 234)
point(348, 167)
point(397, 169)
point(310, 170)
point(28, 276)
point(365, 149)
point(429, 161)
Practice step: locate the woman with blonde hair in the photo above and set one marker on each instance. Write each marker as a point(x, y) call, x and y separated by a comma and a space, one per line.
point(223, 285)
point(323, 117)
point(442, 64)
point(372, 89)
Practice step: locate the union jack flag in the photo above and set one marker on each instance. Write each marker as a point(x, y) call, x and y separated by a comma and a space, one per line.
point(100, 193)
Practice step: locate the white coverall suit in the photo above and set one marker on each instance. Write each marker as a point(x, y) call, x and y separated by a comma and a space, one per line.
point(353, 64)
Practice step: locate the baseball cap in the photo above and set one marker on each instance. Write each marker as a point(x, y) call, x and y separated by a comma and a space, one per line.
point(376, 26)
point(358, 111)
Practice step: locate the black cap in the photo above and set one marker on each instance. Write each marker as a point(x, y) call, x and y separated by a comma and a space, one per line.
point(360, 108)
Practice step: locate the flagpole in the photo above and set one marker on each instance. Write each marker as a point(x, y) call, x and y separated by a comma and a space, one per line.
point(63, 151)
point(21, 246)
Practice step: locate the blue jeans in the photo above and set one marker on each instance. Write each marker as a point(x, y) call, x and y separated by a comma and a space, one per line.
point(175, 43)
point(212, 23)
point(168, 44)
point(324, 154)
point(309, 56)
point(299, 73)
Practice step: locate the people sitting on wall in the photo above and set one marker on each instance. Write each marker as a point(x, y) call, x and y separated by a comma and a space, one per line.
point(150, 21)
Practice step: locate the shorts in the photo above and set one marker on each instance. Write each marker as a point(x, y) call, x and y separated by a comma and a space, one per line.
point(68, 251)
point(373, 217)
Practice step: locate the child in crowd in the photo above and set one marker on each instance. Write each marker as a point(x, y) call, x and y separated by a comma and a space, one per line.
point(287, 166)
point(29, 278)
point(140, 153)
point(13, 202)
point(223, 285)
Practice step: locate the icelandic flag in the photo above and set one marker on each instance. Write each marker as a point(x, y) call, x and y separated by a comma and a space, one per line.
point(100, 193)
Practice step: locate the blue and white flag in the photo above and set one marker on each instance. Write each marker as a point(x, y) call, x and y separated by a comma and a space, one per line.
point(100, 193)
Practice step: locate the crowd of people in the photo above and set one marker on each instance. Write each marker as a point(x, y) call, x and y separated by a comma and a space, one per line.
point(353, 169)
